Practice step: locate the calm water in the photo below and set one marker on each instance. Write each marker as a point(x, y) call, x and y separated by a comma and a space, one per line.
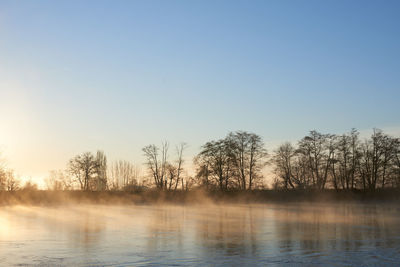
point(292, 234)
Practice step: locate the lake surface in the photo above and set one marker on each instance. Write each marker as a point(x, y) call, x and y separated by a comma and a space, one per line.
point(246, 235)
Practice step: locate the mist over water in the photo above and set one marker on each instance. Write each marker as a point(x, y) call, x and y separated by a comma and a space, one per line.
point(274, 234)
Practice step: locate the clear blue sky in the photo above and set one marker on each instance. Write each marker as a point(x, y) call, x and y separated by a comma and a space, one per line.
point(117, 75)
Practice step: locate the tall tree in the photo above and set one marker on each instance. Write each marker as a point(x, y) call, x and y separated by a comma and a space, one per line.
point(248, 155)
point(101, 181)
point(124, 175)
point(157, 164)
point(3, 178)
point(319, 150)
point(233, 162)
point(217, 156)
point(179, 165)
point(83, 167)
point(58, 180)
point(283, 159)
point(377, 155)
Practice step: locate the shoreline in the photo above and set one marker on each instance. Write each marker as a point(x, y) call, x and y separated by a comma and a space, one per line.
point(45, 197)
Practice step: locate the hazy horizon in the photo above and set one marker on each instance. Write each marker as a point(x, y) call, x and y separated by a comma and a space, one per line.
point(116, 76)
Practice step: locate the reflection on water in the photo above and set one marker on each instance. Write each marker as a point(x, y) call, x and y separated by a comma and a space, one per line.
point(324, 234)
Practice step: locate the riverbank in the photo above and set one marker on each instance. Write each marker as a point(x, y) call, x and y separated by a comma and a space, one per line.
point(42, 197)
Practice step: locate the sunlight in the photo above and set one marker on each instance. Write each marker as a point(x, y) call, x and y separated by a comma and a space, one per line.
point(4, 225)
point(199, 133)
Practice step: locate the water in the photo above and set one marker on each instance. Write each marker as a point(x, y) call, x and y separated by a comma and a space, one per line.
point(238, 235)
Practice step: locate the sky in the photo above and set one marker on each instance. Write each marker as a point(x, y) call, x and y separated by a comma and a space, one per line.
point(79, 76)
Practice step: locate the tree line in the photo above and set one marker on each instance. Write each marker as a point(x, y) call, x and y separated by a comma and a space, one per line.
point(345, 161)
point(238, 162)
point(10, 182)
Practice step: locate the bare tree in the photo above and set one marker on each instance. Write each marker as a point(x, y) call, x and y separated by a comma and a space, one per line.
point(395, 171)
point(157, 164)
point(83, 167)
point(283, 160)
point(355, 155)
point(219, 169)
point(203, 172)
point(318, 149)
point(3, 179)
point(100, 183)
point(248, 155)
point(30, 186)
point(377, 157)
point(166, 175)
point(343, 160)
point(12, 183)
point(257, 155)
point(58, 180)
point(124, 175)
point(179, 165)
point(8, 181)
point(233, 162)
